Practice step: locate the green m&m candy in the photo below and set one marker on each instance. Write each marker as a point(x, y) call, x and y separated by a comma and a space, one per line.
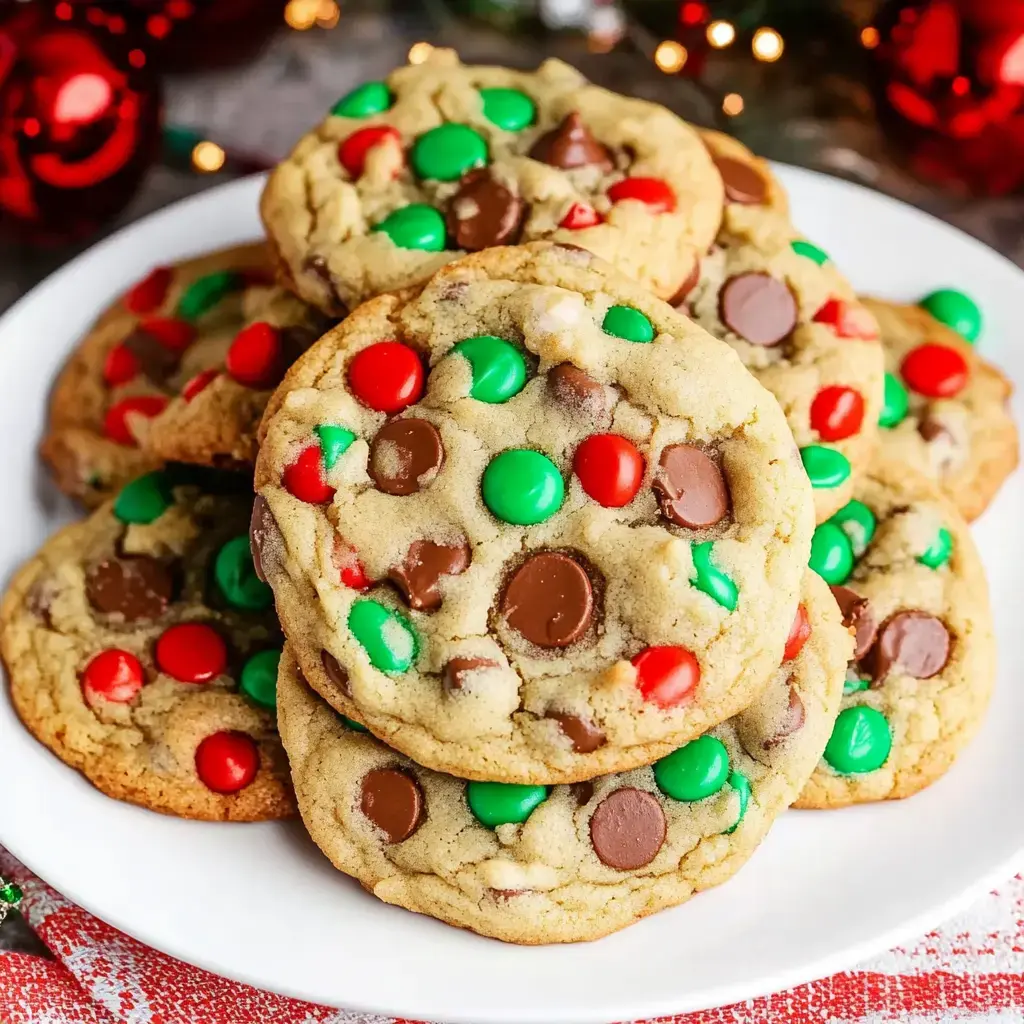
point(203, 294)
point(628, 323)
point(510, 109)
point(334, 442)
point(860, 742)
point(831, 554)
point(236, 577)
point(895, 403)
point(938, 552)
point(352, 724)
point(522, 487)
point(259, 678)
point(503, 803)
point(825, 467)
point(416, 226)
point(854, 683)
point(858, 522)
point(364, 100)
point(741, 784)
point(499, 370)
point(694, 771)
point(387, 637)
point(804, 248)
point(710, 580)
point(446, 152)
point(956, 310)
point(144, 499)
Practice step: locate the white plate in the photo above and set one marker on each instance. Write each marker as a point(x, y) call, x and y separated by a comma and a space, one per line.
point(260, 904)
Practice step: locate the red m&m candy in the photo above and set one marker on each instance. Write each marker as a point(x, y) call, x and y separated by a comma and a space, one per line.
point(652, 192)
point(174, 334)
point(113, 675)
point(191, 652)
point(387, 376)
point(256, 356)
point(115, 423)
point(666, 676)
point(936, 371)
point(798, 634)
point(197, 383)
point(353, 150)
point(306, 478)
point(350, 569)
point(150, 292)
point(120, 366)
point(227, 761)
point(580, 215)
point(610, 469)
point(837, 412)
point(846, 320)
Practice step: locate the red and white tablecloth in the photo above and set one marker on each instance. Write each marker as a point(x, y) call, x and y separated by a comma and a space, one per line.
point(970, 970)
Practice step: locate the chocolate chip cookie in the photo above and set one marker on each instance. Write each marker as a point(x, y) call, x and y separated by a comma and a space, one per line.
point(142, 650)
point(441, 159)
point(531, 525)
point(946, 410)
point(907, 577)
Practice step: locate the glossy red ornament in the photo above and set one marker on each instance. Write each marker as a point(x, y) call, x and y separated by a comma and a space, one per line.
point(148, 294)
point(387, 376)
point(798, 634)
point(837, 413)
point(353, 150)
point(112, 675)
point(654, 193)
point(191, 652)
point(610, 469)
point(120, 366)
point(306, 479)
point(256, 356)
point(933, 370)
point(580, 215)
point(666, 676)
point(227, 761)
point(848, 321)
point(115, 422)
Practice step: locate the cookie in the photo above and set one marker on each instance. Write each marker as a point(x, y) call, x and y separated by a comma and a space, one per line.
point(442, 159)
point(907, 577)
point(946, 410)
point(142, 649)
point(531, 525)
point(798, 327)
point(534, 864)
point(180, 368)
point(748, 179)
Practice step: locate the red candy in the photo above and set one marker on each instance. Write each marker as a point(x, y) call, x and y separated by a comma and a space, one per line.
point(353, 150)
point(115, 423)
point(256, 356)
point(305, 478)
point(350, 569)
point(847, 321)
point(652, 192)
point(798, 634)
point(936, 371)
point(666, 676)
point(387, 376)
point(580, 215)
point(150, 292)
point(837, 412)
point(120, 366)
point(610, 469)
point(192, 652)
point(172, 333)
point(113, 675)
point(196, 384)
point(227, 761)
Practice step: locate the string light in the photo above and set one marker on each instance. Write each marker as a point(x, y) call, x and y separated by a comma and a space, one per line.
point(329, 14)
point(767, 45)
point(208, 157)
point(419, 52)
point(670, 56)
point(301, 14)
point(869, 37)
point(721, 34)
point(732, 104)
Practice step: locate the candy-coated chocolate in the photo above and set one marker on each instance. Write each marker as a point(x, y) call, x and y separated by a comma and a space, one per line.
point(120, 366)
point(149, 293)
point(203, 294)
point(259, 678)
point(694, 771)
point(236, 577)
point(712, 581)
point(416, 226)
point(860, 741)
point(115, 422)
point(509, 109)
point(227, 762)
point(955, 310)
point(627, 323)
point(386, 376)
point(937, 553)
point(895, 403)
point(112, 675)
point(498, 368)
point(353, 151)
point(798, 634)
point(825, 467)
point(522, 487)
point(804, 248)
point(387, 637)
point(847, 320)
point(194, 385)
point(654, 193)
point(934, 370)
point(305, 478)
point(858, 522)
point(837, 413)
point(446, 152)
point(146, 498)
point(580, 215)
point(334, 442)
point(191, 652)
point(256, 356)
point(831, 554)
point(666, 676)
point(741, 784)
point(610, 469)
point(501, 803)
point(353, 724)
point(363, 101)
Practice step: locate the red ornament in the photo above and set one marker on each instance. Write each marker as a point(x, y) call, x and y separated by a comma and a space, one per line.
point(387, 376)
point(654, 193)
point(191, 652)
point(227, 761)
point(115, 423)
point(256, 356)
point(197, 383)
point(172, 333)
point(798, 634)
point(848, 321)
point(120, 366)
point(353, 150)
point(149, 294)
point(580, 215)
point(350, 569)
point(305, 478)
point(610, 469)
point(666, 676)
point(837, 412)
point(936, 371)
point(113, 675)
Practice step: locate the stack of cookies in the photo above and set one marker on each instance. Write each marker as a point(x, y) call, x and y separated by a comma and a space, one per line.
point(535, 510)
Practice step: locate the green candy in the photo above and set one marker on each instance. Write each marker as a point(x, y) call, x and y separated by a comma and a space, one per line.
point(416, 226)
point(446, 152)
point(522, 487)
point(144, 499)
point(387, 637)
point(334, 442)
point(956, 310)
point(353, 724)
point(237, 579)
point(364, 100)
point(804, 248)
point(854, 683)
point(259, 678)
point(858, 522)
point(628, 323)
point(825, 466)
point(938, 551)
point(202, 295)
point(502, 803)
point(11, 894)
point(499, 370)
point(510, 109)
point(895, 403)
point(831, 554)
point(860, 742)
point(710, 580)
point(694, 771)
point(741, 784)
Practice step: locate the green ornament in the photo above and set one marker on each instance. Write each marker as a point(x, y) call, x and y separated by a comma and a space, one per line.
point(363, 101)
point(826, 467)
point(522, 487)
point(259, 678)
point(387, 637)
point(510, 109)
point(144, 499)
point(854, 683)
point(804, 248)
point(334, 442)
point(710, 580)
point(353, 724)
point(416, 226)
point(741, 784)
point(938, 551)
point(499, 370)
point(694, 771)
point(446, 152)
point(860, 742)
point(956, 310)
point(831, 554)
point(628, 323)
point(11, 894)
point(237, 579)
point(203, 294)
point(858, 522)
point(501, 803)
point(895, 404)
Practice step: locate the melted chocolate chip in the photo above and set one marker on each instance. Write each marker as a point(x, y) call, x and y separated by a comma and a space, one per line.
point(689, 283)
point(549, 600)
point(335, 672)
point(393, 801)
point(569, 145)
point(758, 307)
point(135, 587)
point(583, 791)
point(405, 455)
point(914, 641)
point(458, 670)
point(743, 182)
point(690, 487)
point(584, 735)
point(628, 829)
point(156, 360)
point(420, 572)
point(857, 614)
point(265, 540)
point(484, 213)
point(570, 386)
point(792, 720)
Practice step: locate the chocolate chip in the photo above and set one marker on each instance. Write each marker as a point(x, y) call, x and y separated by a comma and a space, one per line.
point(792, 720)
point(915, 641)
point(405, 455)
point(39, 602)
point(931, 429)
point(425, 562)
point(484, 213)
point(857, 613)
point(628, 829)
point(743, 183)
point(136, 587)
point(393, 801)
point(569, 145)
point(549, 600)
point(689, 283)
point(690, 487)
point(335, 672)
point(758, 307)
point(265, 540)
point(583, 791)
point(508, 894)
point(570, 386)
point(156, 360)
point(457, 671)
point(585, 736)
